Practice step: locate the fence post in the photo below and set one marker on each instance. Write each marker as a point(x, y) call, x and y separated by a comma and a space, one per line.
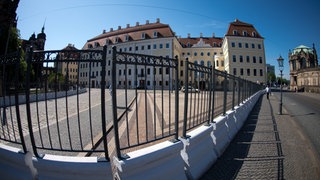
point(225, 93)
point(114, 103)
point(186, 83)
point(233, 91)
point(103, 103)
point(176, 126)
point(239, 90)
point(213, 88)
point(29, 64)
point(16, 96)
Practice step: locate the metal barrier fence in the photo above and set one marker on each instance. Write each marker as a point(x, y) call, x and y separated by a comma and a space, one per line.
point(64, 104)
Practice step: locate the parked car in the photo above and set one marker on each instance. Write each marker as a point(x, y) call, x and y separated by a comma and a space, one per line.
point(190, 89)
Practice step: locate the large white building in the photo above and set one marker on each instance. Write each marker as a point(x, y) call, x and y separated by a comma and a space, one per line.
point(240, 52)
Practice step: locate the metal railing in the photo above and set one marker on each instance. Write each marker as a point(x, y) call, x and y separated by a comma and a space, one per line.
point(46, 110)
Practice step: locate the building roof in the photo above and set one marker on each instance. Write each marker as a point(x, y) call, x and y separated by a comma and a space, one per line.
point(134, 33)
point(205, 41)
point(239, 28)
point(303, 48)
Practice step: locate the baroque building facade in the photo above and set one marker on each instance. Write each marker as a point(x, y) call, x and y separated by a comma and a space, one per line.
point(158, 39)
point(304, 69)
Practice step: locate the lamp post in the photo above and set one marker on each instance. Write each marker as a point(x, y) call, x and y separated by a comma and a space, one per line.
point(280, 63)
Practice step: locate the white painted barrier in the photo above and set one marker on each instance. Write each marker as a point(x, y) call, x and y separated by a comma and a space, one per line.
point(187, 159)
point(72, 168)
point(161, 161)
point(200, 152)
point(14, 164)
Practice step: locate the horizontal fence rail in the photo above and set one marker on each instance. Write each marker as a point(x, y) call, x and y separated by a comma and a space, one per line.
point(102, 102)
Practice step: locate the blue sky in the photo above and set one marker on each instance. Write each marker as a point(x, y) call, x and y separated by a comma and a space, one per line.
point(284, 24)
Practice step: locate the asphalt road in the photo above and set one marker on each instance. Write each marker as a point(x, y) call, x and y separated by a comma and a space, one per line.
point(304, 108)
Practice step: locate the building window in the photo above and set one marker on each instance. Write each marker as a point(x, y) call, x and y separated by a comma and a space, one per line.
point(261, 72)
point(217, 63)
point(167, 70)
point(253, 46)
point(142, 47)
point(195, 53)
point(137, 48)
point(130, 48)
point(240, 45)
point(254, 34)
point(201, 53)
point(154, 46)
point(167, 45)
point(233, 44)
point(149, 46)
point(248, 72)
point(235, 32)
point(181, 73)
point(160, 46)
point(259, 46)
point(208, 53)
point(247, 45)
point(245, 33)
point(181, 63)
point(148, 71)
point(241, 58)
point(260, 60)
point(143, 35)
point(254, 59)
point(155, 34)
point(248, 59)
point(127, 37)
point(129, 73)
point(254, 72)
point(117, 39)
point(222, 63)
point(235, 71)
point(234, 59)
point(241, 71)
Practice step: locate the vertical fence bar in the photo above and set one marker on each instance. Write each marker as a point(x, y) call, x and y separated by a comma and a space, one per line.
point(225, 93)
point(103, 102)
point(213, 89)
point(16, 96)
point(233, 91)
point(239, 90)
point(29, 64)
point(186, 79)
point(176, 124)
point(114, 102)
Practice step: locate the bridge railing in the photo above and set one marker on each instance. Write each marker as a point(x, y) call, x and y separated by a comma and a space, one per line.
point(105, 101)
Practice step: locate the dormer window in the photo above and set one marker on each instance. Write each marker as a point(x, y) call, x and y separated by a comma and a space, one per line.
point(254, 34)
point(90, 46)
point(127, 37)
point(143, 35)
point(188, 44)
point(245, 33)
point(117, 39)
point(107, 41)
point(235, 32)
point(96, 44)
point(155, 34)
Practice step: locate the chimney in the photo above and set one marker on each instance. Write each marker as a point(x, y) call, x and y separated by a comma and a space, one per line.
point(111, 29)
point(158, 20)
point(103, 31)
point(128, 25)
point(213, 35)
point(147, 21)
point(188, 35)
point(201, 35)
point(137, 23)
point(119, 27)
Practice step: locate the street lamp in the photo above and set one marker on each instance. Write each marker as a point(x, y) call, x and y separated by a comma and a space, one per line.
point(280, 62)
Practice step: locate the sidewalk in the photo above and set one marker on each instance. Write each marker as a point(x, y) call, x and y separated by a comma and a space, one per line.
point(269, 146)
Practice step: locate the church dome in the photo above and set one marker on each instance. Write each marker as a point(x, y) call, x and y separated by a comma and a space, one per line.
point(303, 48)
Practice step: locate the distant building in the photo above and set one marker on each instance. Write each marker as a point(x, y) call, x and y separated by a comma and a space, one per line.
point(304, 69)
point(68, 69)
point(243, 49)
point(240, 52)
